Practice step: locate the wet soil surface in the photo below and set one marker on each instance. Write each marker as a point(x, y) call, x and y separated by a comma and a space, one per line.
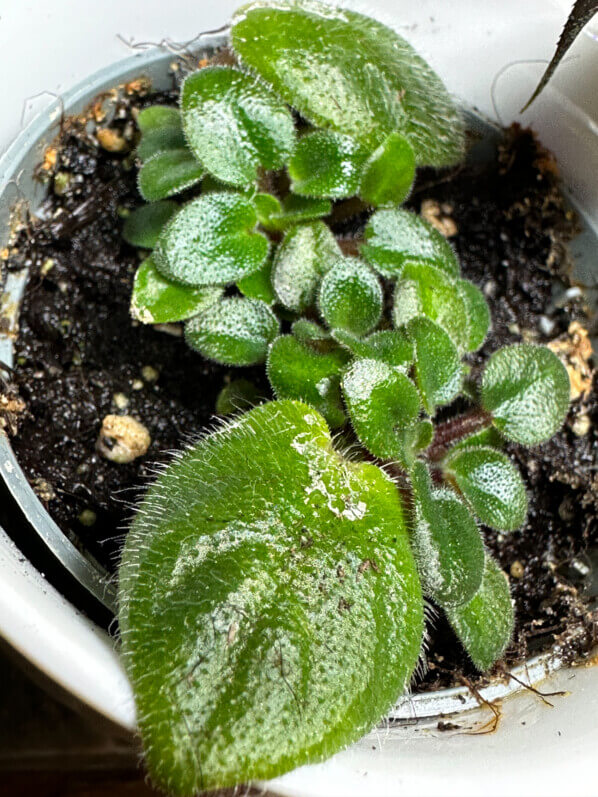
point(80, 357)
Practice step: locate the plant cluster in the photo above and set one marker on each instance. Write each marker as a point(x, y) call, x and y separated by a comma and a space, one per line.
point(272, 585)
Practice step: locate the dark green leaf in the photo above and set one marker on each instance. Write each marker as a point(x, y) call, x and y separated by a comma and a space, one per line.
point(155, 300)
point(235, 331)
point(351, 296)
point(161, 129)
point(234, 124)
point(447, 544)
point(298, 209)
point(143, 226)
point(485, 624)
point(309, 332)
point(297, 371)
point(392, 346)
point(388, 174)
point(491, 484)
point(238, 395)
point(212, 241)
point(393, 236)
point(438, 372)
point(343, 70)
point(526, 389)
point(326, 164)
point(478, 313)
point(167, 173)
point(269, 607)
point(382, 404)
point(259, 284)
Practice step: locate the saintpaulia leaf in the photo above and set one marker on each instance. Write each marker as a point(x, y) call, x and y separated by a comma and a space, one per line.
point(235, 331)
point(270, 610)
point(526, 389)
point(345, 71)
point(478, 313)
point(491, 484)
point(156, 300)
point(259, 284)
point(382, 404)
point(296, 371)
point(326, 164)
point(238, 395)
point(143, 226)
point(297, 209)
point(306, 253)
point(161, 129)
point(212, 241)
point(393, 236)
point(234, 124)
point(425, 290)
point(485, 624)
point(392, 346)
point(167, 173)
point(388, 174)
point(446, 542)
point(486, 437)
point(351, 296)
point(309, 332)
point(437, 369)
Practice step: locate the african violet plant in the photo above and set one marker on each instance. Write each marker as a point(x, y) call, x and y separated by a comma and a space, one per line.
point(272, 585)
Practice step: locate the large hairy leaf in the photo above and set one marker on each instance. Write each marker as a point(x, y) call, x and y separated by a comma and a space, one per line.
point(270, 610)
point(345, 71)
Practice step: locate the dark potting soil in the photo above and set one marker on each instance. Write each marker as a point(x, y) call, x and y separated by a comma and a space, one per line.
point(80, 357)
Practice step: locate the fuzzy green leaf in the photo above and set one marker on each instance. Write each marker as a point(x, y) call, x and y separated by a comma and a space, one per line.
point(299, 209)
point(237, 396)
point(345, 71)
point(491, 484)
point(326, 164)
point(478, 313)
point(392, 346)
point(446, 542)
point(156, 300)
point(161, 129)
point(485, 624)
point(382, 404)
point(144, 225)
point(212, 241)
point(306, 253)
point(309, 332)
point(167, 173)
point(526, 389)
point(438, 373)
point(259, 284)
point(270, 611)
point(234, 124)
point(351, 296)
point(389, 172)
point(235, 331)
point(393, 236)
point(425, 290)
point(486, 437)
point(296, 371)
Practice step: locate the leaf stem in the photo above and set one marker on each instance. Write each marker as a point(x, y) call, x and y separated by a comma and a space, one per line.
point(449, 432)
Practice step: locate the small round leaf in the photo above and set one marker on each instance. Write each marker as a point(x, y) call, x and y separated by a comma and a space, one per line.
point(478, 313)
point(167, 173)
point(526, 389)
point(296, 210)
point(351, 297)
point(235, 331)
point(259, 284)
point(161, 129)
point(438, 373)
point(309, 332)
point(391, 346)
point(144, 225)
point(326, 164)
point(389, 172)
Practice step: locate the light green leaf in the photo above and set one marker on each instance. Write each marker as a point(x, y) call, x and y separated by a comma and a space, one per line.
point(446, 542)
point(392, 346)
point(351, 296)
point(425, 290)
point(478, 313)
point(238, 395)
point(296, 371)
point(526, 389)
point(161, 129)
point(389, 172)
point(212, 241)
point(167, 173)
point(326, 164)
point(485, 624)
point(298, 209)
point(345, 71)
point(437, 368)
point(306, 253)
point(234, 124)
point(491, 484)
point(143, 226)
point(309, 332)
point(269, 607)
point(486, 437)
point(259, 284)
point(393, 236)
point(235, 331)
point(382, 404)
point(155, 300)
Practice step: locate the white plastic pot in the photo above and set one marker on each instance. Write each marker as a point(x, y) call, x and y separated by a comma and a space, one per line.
point(480, 50)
